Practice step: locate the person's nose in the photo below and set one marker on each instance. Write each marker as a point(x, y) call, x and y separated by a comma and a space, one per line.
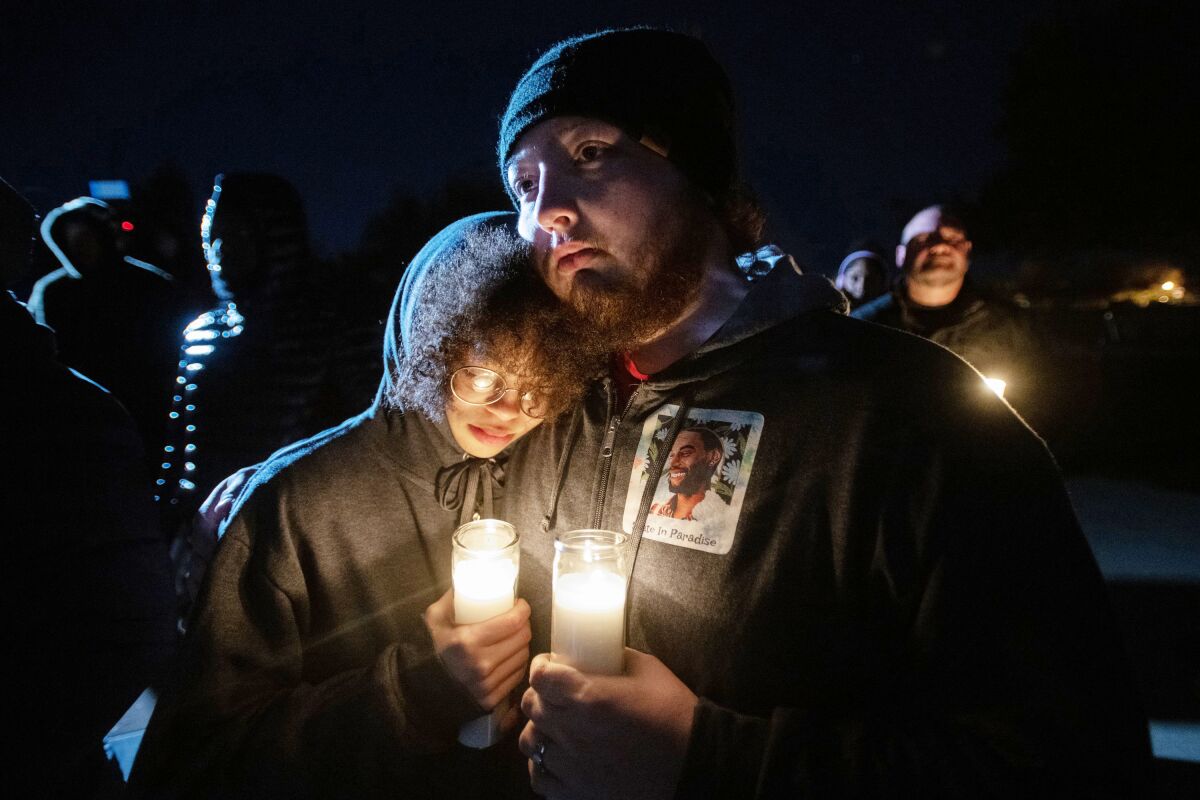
point(557, 203)
point(508, 407)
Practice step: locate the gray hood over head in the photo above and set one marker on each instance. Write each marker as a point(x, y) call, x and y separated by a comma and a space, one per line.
point(406, 306)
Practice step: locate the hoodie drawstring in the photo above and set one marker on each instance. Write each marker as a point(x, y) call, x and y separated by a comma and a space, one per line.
point(457, 486)
point(652, 478)
point(572, 437)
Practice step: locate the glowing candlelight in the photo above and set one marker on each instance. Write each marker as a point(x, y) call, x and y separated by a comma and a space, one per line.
point(483, 589)
point(485, 564)
point(588, 624)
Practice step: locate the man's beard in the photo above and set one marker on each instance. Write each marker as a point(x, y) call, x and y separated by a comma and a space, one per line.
point(696, 480)
point(626, 309)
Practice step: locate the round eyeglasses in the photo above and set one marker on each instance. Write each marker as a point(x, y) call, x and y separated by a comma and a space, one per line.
point(480, 386)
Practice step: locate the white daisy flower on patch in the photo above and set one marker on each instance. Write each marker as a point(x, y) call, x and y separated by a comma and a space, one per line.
point(729, 447)
point(660, 434)
point(730, 470)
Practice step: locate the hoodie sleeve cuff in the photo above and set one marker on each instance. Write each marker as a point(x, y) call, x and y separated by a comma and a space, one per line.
point(724, 755)
point(434, 702)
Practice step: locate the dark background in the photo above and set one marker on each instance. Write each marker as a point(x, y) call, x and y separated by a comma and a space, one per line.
point(1070, 124)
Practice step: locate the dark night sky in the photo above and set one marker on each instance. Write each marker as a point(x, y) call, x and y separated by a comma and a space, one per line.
point(848, 109)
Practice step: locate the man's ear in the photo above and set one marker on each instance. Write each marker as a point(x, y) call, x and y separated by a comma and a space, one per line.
point(714, 458)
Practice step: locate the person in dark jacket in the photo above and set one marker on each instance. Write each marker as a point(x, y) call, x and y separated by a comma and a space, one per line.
point(321, 659)
point(262, 368)
point(897, 602)
point(115, 317)
point(936, 299)
point(86, 578)
point(268, 365)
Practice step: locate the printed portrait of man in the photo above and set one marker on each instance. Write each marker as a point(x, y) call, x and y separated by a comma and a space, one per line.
point(694, 459)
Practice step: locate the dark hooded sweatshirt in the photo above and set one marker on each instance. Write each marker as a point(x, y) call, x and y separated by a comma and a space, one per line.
point(307, 668)
point(988, 332)
point(887, 594)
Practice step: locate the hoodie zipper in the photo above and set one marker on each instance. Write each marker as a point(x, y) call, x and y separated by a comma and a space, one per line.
point(606, 452)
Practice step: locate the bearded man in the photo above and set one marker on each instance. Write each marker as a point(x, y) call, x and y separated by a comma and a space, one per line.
point(899, 602)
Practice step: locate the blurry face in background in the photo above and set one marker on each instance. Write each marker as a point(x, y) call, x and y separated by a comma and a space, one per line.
point(862, 279)
point(616, 227)
point(935, 251)
point(485, 430)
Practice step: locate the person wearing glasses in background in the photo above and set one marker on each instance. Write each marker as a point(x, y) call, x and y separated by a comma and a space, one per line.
point(322, 658)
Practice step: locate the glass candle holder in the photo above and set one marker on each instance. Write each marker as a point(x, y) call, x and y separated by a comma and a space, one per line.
point(485, 562)
point(587, 629)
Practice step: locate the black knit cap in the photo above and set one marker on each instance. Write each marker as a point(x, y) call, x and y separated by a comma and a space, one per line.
point(647, 82)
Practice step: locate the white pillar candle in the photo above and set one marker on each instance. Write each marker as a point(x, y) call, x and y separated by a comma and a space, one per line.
point(483, 588)
point(484, 572)
point(587, 630)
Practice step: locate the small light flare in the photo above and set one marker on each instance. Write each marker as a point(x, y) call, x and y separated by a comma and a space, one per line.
point(996, 385)
point(1168, 285)
point(126, 226)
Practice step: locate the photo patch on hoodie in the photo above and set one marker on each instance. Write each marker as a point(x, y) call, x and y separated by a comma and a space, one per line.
point(705, 471)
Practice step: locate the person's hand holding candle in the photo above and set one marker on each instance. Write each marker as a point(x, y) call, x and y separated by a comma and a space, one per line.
point(606, 735)
point(488, 658)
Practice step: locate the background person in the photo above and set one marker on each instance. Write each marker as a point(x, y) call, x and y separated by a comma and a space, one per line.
point(936, 299)
point(862, 276)
point(266, 366)
point(115, 317)
point(261, 369)
point(85, 575)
